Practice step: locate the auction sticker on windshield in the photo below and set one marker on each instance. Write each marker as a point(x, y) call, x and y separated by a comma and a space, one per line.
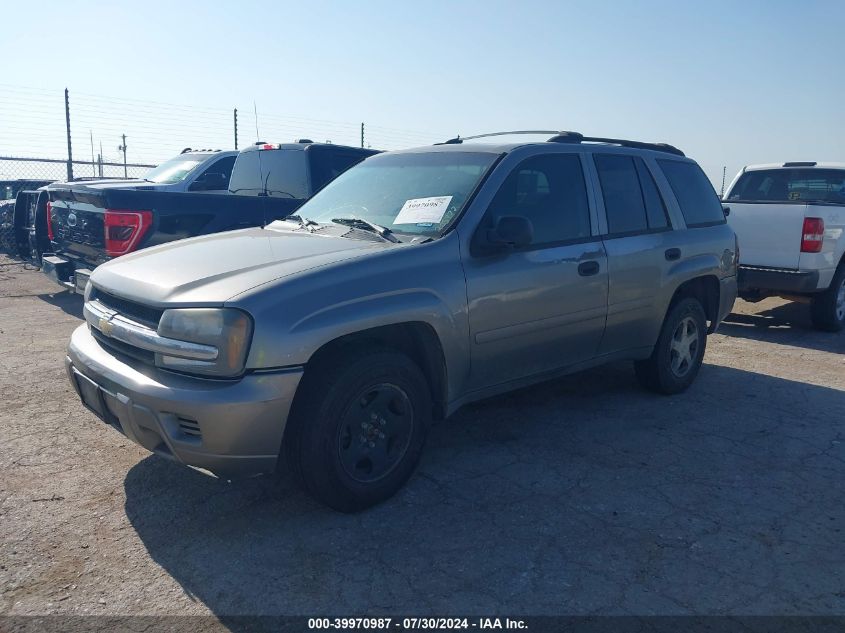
point(423, 210)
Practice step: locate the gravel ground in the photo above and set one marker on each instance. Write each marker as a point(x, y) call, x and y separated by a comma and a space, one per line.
point(579, 496)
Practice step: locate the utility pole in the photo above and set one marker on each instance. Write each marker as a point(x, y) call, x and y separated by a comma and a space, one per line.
point(362, 135)
point(236, 128)
point(67, 123)
point(122, 148)
point(100, 160)
point(93, 168)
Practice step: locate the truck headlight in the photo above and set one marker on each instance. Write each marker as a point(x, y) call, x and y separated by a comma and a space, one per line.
point(227, 329)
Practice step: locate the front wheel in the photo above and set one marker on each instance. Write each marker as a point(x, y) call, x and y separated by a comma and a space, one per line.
point(358, 428)
point(828, 308)
point(677, 356)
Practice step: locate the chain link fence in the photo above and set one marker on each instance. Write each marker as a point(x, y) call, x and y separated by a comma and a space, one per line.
point(45, 129)
point(27, 174)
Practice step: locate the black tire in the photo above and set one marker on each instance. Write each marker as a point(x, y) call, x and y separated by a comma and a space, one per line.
point(827, 310)
point(323, 442)
point(666, 371)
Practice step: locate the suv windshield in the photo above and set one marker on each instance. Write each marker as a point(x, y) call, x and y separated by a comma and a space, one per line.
point(415, 193)
point(791, 185)
point(174, 170)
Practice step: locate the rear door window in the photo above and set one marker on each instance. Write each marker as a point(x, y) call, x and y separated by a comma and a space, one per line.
point(699, 203)
point(622, 195)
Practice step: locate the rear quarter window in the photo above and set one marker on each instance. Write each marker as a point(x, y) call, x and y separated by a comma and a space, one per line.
point(699, 203)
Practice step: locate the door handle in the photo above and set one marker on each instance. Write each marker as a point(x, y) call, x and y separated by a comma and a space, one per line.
point(586, 269)
point(673, 254)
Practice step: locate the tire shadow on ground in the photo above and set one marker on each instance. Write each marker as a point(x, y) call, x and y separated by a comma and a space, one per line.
point(786, 324)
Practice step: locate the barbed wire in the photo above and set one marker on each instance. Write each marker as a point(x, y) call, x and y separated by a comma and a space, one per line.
point(35, 125)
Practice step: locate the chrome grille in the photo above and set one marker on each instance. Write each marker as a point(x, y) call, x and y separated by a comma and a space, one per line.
point(123, 348)
point(133, 336)
point(138, 312)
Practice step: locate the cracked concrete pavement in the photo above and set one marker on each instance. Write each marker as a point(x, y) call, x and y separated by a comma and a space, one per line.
point(584, 495)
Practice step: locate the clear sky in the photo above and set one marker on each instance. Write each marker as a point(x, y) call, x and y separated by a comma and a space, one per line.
point(730, 83)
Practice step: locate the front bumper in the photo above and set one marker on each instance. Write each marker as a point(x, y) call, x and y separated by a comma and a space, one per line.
point(232, 428)
point(777, 279)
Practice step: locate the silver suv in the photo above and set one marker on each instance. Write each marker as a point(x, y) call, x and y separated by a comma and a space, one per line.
point(416, 282)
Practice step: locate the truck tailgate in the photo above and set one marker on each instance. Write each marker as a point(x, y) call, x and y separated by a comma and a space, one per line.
point(77, 225)
point(769, 233)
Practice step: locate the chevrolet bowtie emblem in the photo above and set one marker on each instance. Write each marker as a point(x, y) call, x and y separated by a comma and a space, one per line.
point(106, 327)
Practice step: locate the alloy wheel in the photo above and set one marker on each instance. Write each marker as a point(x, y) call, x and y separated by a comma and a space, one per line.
point(683, 347)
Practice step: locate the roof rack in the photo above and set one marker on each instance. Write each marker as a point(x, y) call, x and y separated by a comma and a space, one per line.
point(574, 137)
point(460, 139)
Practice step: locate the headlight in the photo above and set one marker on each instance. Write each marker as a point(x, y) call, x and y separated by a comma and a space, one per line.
point(226, 329)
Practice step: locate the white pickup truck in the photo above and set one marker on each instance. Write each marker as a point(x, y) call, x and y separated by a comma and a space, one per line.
point(790, 222)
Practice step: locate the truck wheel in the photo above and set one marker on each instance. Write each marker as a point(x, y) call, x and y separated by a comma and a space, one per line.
point(358, 428)
point(679, 350)
point(828, 308)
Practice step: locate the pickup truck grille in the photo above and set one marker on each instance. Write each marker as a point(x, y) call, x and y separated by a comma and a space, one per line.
point(135, 311)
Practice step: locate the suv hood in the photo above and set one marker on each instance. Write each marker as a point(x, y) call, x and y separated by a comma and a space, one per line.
point(211, 269)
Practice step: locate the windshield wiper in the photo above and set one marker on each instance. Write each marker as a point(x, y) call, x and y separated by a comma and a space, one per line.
point(365, 225)
point(305, 223)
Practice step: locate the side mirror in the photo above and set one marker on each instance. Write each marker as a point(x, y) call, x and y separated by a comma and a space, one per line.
point(509, 232)
point(726, 210)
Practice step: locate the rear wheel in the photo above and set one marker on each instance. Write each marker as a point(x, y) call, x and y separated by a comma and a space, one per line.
point(828, 308)
point(358, 428)
point(677, 356)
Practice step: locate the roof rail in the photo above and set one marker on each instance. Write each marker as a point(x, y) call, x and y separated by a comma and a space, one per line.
point(572, 137)
point(575, 137)
point(460, 139)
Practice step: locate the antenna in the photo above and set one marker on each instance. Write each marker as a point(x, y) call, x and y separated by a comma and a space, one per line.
point(724, 170)
point(261, 179)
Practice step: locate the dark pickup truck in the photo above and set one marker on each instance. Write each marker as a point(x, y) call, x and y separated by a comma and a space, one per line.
point(89, 224)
